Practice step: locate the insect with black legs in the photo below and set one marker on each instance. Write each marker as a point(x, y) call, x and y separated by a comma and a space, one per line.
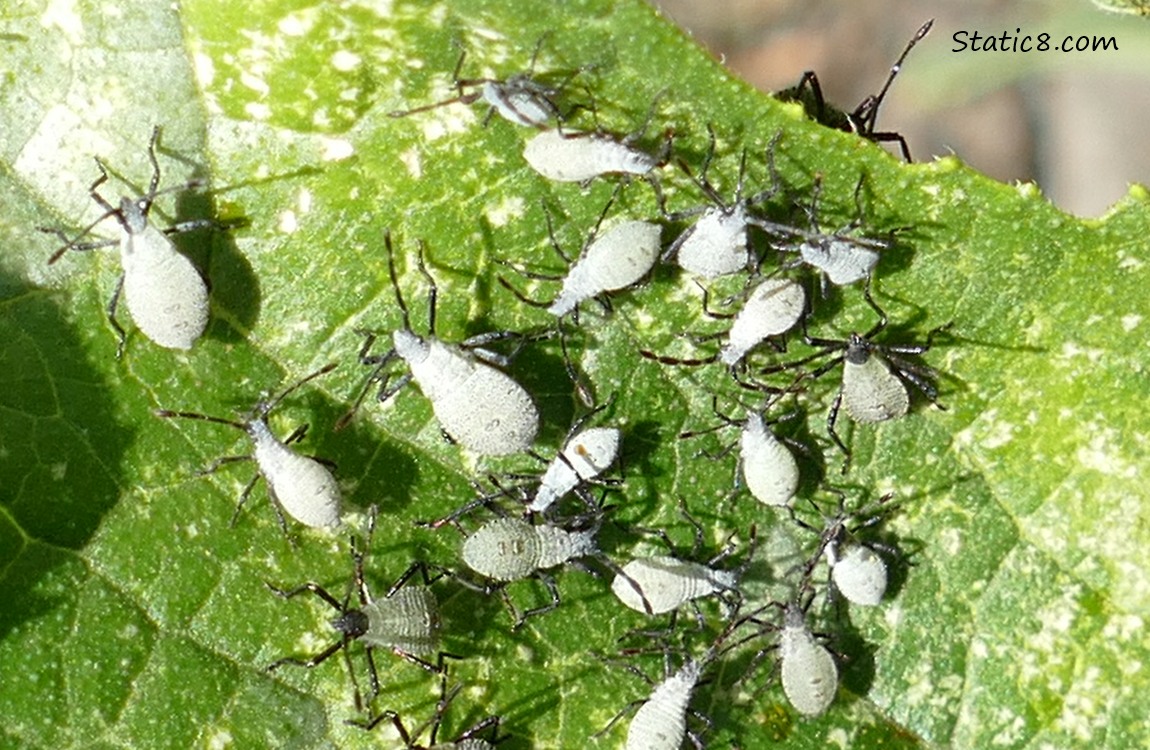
point(477, 405)
point(716, 244)
point(766, 464)
point(667, 582)
point(660, 720)
point(586, 454)
point(405, 620)
point(509, 549)
point(521, 99)
point(612, 261)
point(468, 739)
point(874, 375)
point(864, 118)
point(771, 308)
point(857, 571)
point(840, 257)
point(581, 156)
point(301, 486)
point(807, 668)
point(164, 291)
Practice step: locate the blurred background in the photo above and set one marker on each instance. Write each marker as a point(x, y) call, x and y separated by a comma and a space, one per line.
point(1075, 123)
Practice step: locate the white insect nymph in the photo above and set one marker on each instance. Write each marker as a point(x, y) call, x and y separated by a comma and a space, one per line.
point(809, 674)
point(519, 99)
point(404, 621)
point(661, 722)
point(305, 489)
point(617, 259)
point(479, 406)
point(873, 388)
point(482, 408)
point(511, 549)
point(769, 467)
point(579, 157)
point(298, 485)
point(844, 260)
point(163, 290)
point(870, 391)
point(667, 583)
point(663, 583)
point(773, 307)
point(716, 244)
point(585, 456)
point(858, 573)
point(522, 101)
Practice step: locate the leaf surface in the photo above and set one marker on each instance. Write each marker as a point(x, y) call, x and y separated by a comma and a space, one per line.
point(135, 616)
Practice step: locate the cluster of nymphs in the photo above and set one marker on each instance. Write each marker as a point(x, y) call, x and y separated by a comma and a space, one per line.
point(526, 526)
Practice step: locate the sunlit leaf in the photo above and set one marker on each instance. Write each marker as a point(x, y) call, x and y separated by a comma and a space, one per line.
point(135, 616)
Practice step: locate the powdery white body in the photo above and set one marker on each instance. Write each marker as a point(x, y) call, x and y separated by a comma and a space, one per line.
point(620, 257)
point(164, 292)
point(408, 621)
point(716, 245)
point(578, 157)
point(870, 391)
point(859, 574)
point(519, 100)
point(773, 308)
point(302, 486)
point(480, 407)
point(809, 675)
point(769, 467)
point(842, 260)
point(585, 456)
point(510, 549)
point(661, 722)
point(668, 583)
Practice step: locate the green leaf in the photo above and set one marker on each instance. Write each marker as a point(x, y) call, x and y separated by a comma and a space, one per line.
point(1136, 7)
point(135, 616)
